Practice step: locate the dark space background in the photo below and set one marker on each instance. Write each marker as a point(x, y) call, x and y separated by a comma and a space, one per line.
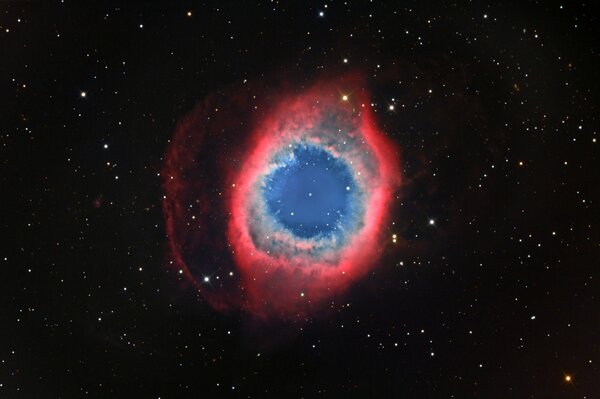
point(498, 298)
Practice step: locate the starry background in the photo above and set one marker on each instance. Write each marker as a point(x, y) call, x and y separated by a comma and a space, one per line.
point(489, 284)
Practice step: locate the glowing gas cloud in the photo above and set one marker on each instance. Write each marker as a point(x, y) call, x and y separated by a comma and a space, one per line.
point(285, 209)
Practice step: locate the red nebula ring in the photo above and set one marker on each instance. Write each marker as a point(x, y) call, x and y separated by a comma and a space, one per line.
point(279, 282)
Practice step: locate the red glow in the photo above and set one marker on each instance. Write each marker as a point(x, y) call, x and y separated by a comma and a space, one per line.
point(275, 284)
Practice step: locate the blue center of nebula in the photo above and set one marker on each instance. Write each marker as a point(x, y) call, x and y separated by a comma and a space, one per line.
point(311, 193)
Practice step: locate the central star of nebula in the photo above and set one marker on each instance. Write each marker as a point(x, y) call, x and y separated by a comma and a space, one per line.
point(311, 193)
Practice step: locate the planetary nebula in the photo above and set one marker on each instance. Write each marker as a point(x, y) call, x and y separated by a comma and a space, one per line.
point(302, 208)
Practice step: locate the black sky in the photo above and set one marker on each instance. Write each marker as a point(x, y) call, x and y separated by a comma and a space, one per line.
point(492, 290)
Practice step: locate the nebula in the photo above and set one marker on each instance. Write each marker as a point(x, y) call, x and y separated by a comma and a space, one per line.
point(298, 197)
